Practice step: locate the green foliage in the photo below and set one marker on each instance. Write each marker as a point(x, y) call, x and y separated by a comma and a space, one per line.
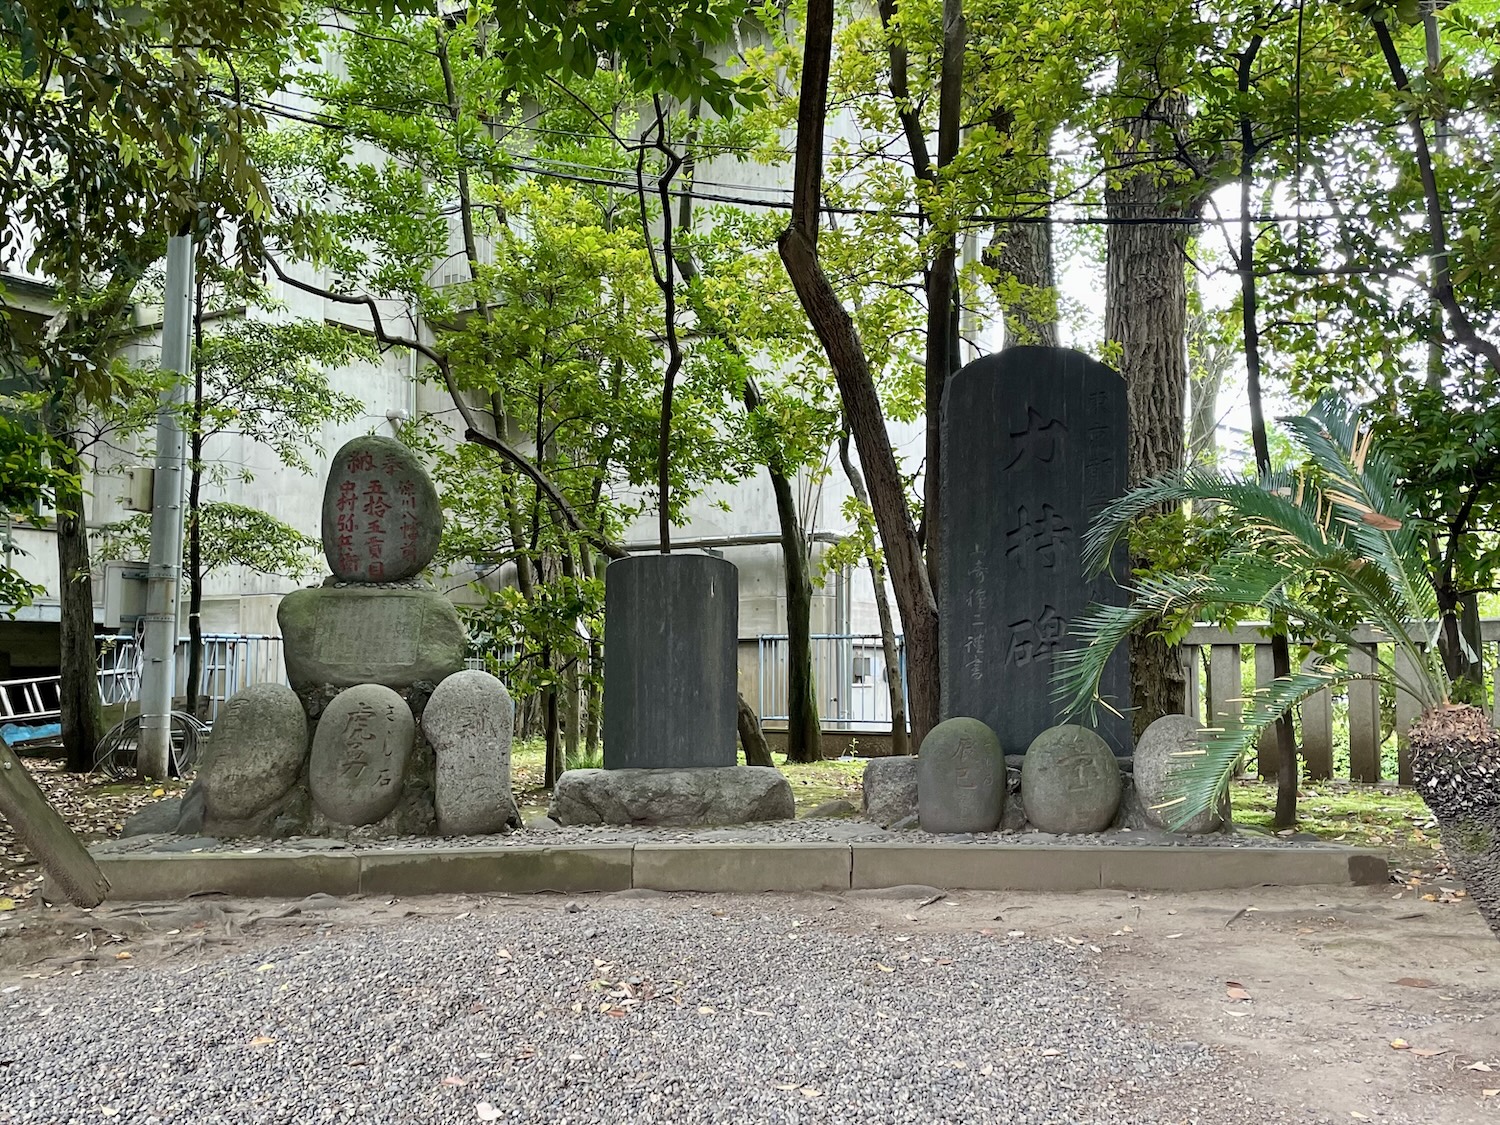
point(27, 478)
point(1342, 524)
point(232, 535)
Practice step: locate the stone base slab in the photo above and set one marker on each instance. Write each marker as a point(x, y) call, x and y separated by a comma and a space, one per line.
point(730, 868)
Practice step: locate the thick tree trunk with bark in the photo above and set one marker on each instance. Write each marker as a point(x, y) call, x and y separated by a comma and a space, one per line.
point(82, 714)
point(1024, 250)
point(799, 252)
point(1145, 312)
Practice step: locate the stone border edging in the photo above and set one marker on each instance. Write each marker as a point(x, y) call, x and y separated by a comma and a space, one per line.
point(731, 868)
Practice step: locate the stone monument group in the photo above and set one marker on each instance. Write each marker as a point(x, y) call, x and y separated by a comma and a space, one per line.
point(381, 730)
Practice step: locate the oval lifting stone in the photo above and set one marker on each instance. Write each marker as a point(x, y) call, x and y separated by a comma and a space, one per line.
point(960, 778)
point(1070, 782)
point(255, 752)
point(468, 724)
point(381, 515)
point(359, 754)
point(1165, 747)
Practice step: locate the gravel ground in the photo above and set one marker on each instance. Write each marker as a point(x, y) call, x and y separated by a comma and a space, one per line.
point(841, 831)
point(621, 1009)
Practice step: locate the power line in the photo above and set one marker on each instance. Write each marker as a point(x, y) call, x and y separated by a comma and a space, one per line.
point(621, 180)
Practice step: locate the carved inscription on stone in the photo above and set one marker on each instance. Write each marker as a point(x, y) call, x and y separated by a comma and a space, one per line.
point(381, 516)
point(1033, 445)
point(387, 632)
point(960, 778)
point(359, 754)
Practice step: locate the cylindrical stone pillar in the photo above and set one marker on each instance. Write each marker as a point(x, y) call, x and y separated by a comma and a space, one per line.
point(671, 629)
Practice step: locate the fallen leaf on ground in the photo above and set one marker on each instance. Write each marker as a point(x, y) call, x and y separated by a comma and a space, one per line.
point(262, 1041)
point(1490, 1093)
point(1416, 982)
point(1354, 1113)
point(884, 968)
point(705, 1010)
point(108, 1110)
point(1050, 1052)
point(1481, 1066)
point(455, 1080)
point(1400, 1045)
point(1429, 1052)
point(809, 1092)
point(7, 904)
point(1236, 991)
point(486, 1112)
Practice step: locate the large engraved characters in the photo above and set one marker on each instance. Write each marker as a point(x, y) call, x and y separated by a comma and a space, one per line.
point(1034, 445)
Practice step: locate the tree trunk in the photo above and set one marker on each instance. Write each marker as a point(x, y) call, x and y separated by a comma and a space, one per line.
point(1281, 657)
point(804, 735)
point(752, 738)
point(899, 744)
point(82, 713)
point(1145, 312)
point(799, 252)
point(571, 715)
point(555, 765)
point(1024, 250)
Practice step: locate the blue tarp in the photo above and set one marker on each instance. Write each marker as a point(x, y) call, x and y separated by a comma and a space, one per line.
point(15, 733)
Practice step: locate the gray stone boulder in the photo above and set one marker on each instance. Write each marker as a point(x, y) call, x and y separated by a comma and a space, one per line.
point(350, 635)
point(960, 778)
point(255, 753)
point(722, 795)
point(381, 515)
point(154, 819)
point(1070, 782)
point(468, 723)
point(1164, 748)
point(359, 754)
point(890, 786)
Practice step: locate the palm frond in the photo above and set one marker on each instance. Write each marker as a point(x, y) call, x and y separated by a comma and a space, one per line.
point(1271, 509)
point(1361, 485)
point(1203, 783)
point(1242, 580)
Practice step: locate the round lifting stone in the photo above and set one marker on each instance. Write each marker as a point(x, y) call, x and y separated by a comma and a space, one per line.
point(960, 778)
point(1070, 782)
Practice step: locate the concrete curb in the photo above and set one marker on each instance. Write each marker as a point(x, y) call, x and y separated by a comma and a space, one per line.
point(732, 868)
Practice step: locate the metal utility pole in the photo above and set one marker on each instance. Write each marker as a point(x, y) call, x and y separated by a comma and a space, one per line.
point(164, 574)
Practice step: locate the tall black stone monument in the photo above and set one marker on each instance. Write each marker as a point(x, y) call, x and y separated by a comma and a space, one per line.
point(671, 629)
point(1034, 445)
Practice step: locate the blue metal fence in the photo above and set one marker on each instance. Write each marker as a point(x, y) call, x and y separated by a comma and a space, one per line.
point(848, 676)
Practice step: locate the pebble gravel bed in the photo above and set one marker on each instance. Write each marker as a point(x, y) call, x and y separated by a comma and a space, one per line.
point(618, 1009)
point(815, 830)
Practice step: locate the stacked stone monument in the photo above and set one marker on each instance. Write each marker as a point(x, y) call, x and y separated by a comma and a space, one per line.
point(381, 729)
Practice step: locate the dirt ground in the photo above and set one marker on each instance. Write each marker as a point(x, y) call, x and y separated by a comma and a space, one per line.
point(1337, 1004)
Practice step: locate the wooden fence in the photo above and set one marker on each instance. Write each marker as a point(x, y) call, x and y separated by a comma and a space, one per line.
point(1221, 694)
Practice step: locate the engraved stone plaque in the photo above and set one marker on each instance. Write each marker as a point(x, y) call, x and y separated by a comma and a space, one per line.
point(1034, 445)
point(359, 635)
point(359, 754)
point(381, 515)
